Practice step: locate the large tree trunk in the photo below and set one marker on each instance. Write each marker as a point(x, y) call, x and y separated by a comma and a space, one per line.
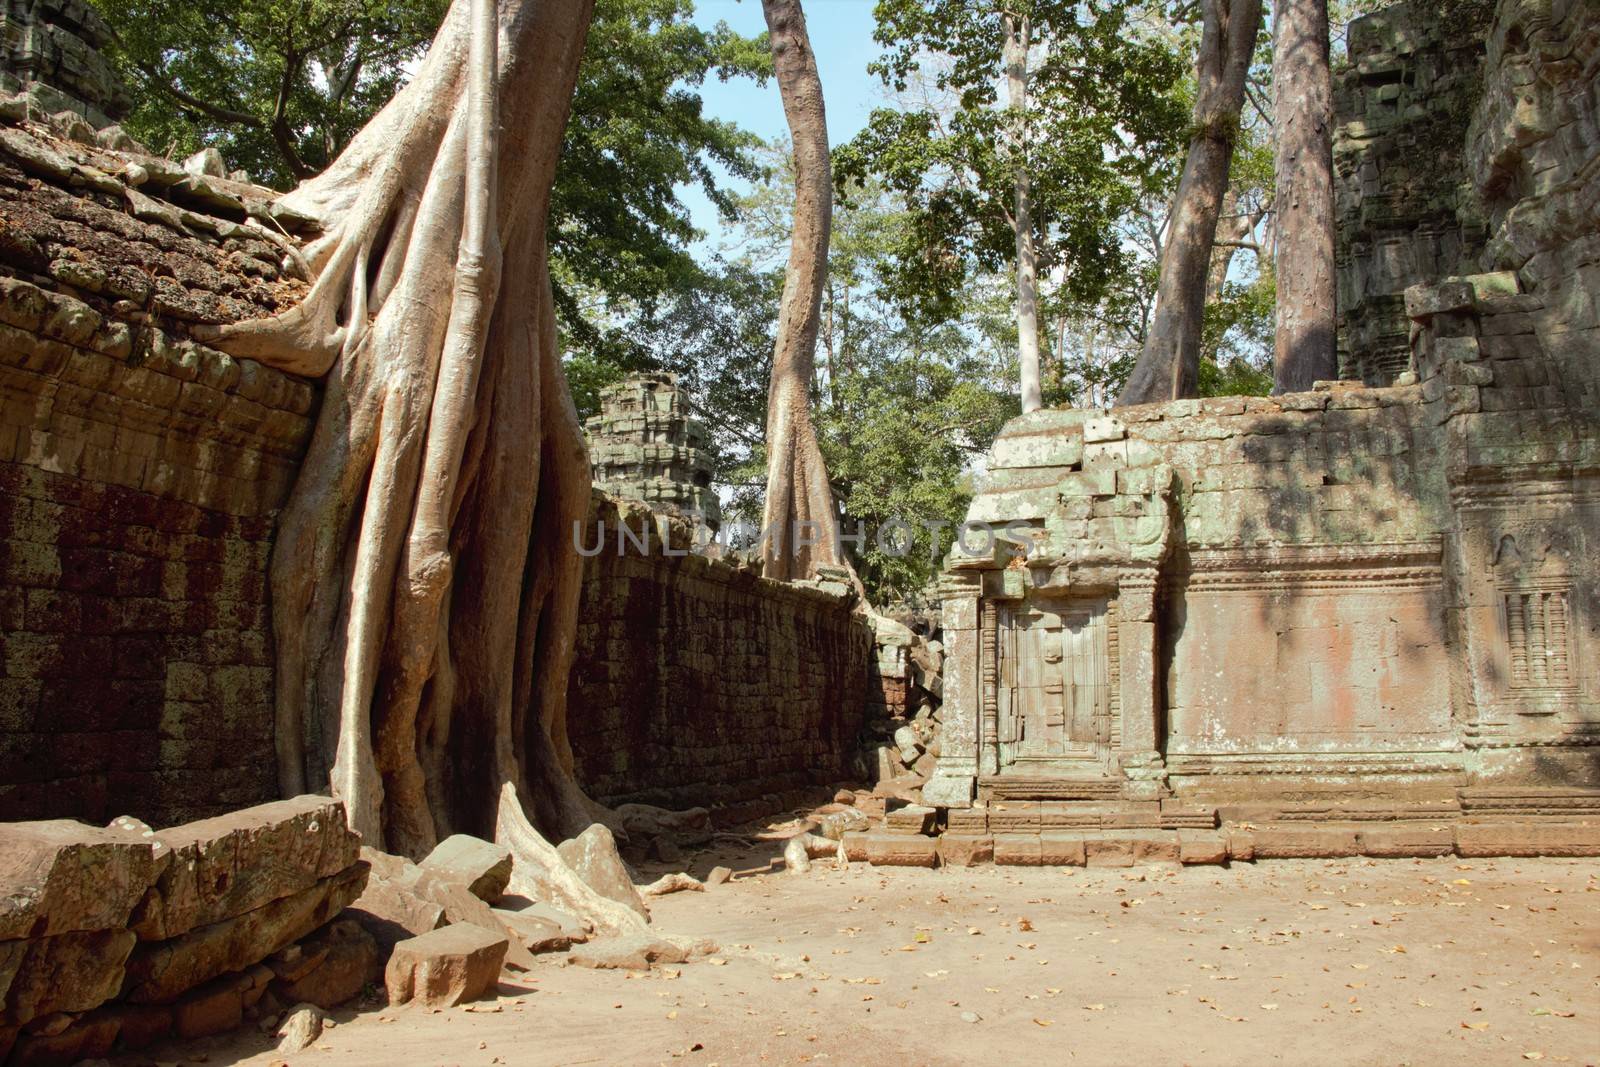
point(424, 580)
point(1302, 108)
point(1016, 60)
point(1169, 366)
point(801, 527)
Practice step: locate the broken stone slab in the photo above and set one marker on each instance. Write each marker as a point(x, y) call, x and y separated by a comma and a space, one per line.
point(345, 958)
point(392, 912)
point(719, 875)
point(446, 967)
point(235, 863)
point(593, 856)
point(535, 933)
point(59, 876)
point(484, 865)
point(162, 970)
point(74, 971)
point(572, 927)
point(458, 903)
point(632, 952)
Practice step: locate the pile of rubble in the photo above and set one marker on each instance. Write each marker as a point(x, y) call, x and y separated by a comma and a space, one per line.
point(122, 936)
point(904, 719)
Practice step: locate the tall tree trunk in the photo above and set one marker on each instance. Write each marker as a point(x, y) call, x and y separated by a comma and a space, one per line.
point(799, 506)
point(424, 580)
point(1302, 106)
point(1016, 60)
point(1169, 365)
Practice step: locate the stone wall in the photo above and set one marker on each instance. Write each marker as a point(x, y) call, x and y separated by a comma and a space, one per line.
point(699, 683)
point(55, 50)
point(1373, 589)
point(140, 475)
point(1404, 206)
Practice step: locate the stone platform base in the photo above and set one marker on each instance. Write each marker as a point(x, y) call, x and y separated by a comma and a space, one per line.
point(1474, 823)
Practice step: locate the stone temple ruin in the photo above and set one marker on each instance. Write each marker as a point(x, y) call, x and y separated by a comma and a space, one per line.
point(1363, 620)
point(1383, 589)
point(644, 445)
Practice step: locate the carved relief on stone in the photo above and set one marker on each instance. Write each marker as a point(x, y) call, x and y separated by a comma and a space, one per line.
point(1536, 626)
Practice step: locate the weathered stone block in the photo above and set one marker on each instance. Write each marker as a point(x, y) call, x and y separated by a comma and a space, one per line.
point(1018, 850)
point(1061, 850)
point(62, 876)
point(484, 865)
point(1202, 847)
point(1527, 838)
point(1405, 840)
point(445, 967)
point(899, 850)
point(964, 850)
point(593, 855)
point(1305, 842)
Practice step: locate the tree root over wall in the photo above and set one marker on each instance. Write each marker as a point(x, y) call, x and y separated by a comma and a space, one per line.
point(424, 584)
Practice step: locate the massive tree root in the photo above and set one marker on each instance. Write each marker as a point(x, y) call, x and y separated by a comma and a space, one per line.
point(424, 582)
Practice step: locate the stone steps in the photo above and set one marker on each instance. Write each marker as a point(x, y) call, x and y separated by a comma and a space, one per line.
point(1247, 842)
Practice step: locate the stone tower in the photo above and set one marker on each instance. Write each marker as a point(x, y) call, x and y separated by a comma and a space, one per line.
point(644, 445)
point(54, 51)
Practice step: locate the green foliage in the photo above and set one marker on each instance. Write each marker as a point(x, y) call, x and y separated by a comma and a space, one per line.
point(619, 232)
point(1101, 131)
point(278, 86)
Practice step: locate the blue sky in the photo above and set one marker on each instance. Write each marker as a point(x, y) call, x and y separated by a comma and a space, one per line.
point(841, 35)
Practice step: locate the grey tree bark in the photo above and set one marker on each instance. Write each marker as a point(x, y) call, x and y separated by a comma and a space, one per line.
point(799, 505)
point(1169, 365)
point(424, 580)
point(1017, 34)
point(1304, 347)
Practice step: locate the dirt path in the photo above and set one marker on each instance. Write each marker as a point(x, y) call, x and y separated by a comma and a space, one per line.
point(1293, 962)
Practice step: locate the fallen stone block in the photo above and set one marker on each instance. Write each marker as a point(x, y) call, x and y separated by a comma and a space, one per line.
point(485, 866)
point(1202, 847)
point(1305, 842)
point(1528, 839)
point(62, 876)
point(162, 970)
point(457, 902)
point(235, 863)
point(445, 967)
point(299, 1028)
point(535, 933)
point(899, 850)
point(1017, 850)
point(389, 911)
point(964, 850)
point(635, 952)
point(593, 856)
point(346, 959)
point(574, 929)
point(719, 875)
point(1399, 841)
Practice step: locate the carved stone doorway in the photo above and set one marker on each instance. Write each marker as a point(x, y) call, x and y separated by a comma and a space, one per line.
point(1054, 688)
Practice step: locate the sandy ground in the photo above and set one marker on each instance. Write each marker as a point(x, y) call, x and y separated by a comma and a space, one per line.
point(1291, 962)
